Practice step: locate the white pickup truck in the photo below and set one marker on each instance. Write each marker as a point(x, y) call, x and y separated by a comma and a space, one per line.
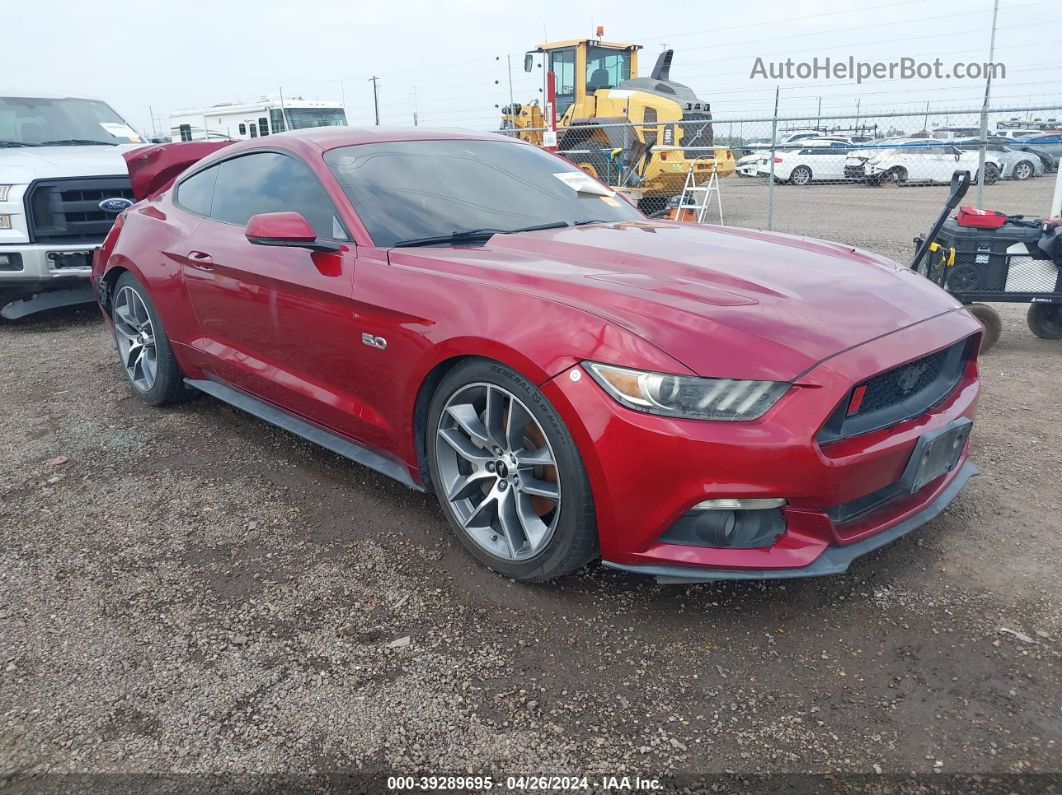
point(62, 183)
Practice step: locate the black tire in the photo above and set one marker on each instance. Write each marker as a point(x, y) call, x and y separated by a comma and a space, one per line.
point(894, 176)
point(1023, 170)
point(992, 322)
point(574, 541)
point(804, 177)
point(991, 174)
point(1045, 321)
point(168, 386)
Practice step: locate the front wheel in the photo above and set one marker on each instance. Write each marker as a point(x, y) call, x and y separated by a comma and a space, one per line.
point(1023, 170)
point(1045, 321)
point(992, 322)
point(508, 475)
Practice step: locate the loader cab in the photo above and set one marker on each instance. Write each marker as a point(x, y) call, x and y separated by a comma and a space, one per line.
point(583, 66)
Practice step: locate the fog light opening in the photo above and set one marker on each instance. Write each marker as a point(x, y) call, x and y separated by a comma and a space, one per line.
point(729, 524)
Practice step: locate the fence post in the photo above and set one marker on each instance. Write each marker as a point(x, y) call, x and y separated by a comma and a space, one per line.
point(770, 178)
point(1056, 201)
point(982, 154)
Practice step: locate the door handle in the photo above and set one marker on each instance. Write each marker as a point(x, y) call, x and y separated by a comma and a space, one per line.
point(200, 260)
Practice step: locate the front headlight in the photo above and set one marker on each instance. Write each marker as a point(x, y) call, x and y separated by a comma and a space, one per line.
point(5, 190)
point(726, 399)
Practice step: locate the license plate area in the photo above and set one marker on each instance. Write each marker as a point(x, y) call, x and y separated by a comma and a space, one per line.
point(936, 454)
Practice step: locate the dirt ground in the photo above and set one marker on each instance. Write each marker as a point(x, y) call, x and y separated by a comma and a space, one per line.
point(189, 590)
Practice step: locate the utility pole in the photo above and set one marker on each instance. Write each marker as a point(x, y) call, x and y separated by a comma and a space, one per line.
point(984, 112)
point(925, 125)
point(375, 99)
point(509, 61)
point(283, 110)
point(151, 113)
point(343, 97)
point(818, 115)
point(774, 148)
point(414, 106)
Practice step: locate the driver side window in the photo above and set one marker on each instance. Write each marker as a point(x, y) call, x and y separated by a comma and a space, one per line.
point(270, 182)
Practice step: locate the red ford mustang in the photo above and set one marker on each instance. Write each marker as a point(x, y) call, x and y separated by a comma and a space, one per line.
point(476, 317)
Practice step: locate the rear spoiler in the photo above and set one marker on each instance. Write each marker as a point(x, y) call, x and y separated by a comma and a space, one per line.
point(152, 169)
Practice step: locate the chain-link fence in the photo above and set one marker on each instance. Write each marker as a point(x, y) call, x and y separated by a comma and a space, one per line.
point(872, 181)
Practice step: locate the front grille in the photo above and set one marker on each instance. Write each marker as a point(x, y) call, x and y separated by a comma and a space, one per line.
point(67, 210)
point(899, 394)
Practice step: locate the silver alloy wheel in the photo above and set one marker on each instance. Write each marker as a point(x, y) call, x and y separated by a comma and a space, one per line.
point(497, 471)
point(135, 335)
point(1023, 170)
point(800, 176)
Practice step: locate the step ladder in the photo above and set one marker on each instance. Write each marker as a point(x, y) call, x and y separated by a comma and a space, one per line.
point(698, 198)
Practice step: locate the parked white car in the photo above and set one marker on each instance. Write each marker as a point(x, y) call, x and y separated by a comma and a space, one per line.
point(816, 160)
point(923, 161)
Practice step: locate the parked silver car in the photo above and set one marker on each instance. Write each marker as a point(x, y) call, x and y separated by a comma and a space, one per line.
point(1047, 146)
point(1017, 163)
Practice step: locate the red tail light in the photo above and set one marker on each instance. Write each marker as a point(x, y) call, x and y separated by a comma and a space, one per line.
point(778, 160)
point(663, 155)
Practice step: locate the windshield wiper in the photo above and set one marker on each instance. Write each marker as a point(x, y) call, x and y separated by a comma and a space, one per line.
point(592, 221)
point(16, 143)
point(78, 142)
point(472, 235)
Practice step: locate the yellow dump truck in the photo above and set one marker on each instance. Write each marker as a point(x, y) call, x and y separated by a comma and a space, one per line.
point(616, 125)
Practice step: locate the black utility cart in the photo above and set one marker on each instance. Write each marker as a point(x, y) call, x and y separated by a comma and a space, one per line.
point(983, 256)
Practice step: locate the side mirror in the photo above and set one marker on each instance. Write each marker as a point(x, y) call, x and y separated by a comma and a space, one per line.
point(529, 62)
point(286, 229)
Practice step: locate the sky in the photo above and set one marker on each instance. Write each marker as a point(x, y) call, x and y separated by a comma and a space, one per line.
point(447, 59)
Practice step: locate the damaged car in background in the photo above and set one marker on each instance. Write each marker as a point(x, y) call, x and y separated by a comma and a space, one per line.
point(475, 317)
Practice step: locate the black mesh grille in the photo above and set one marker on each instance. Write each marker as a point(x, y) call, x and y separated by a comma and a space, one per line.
point(898, 394)
point(68, 211)
point(891, 387)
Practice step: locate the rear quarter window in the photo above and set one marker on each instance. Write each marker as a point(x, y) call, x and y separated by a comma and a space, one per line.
point(196, 193)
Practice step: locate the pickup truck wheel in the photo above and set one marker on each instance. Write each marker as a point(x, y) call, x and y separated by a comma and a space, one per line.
point(143, 349)
point(992, 323)
point(1045, 321)
point(508, 475)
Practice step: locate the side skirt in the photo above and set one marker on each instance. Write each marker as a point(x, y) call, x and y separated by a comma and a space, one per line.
point(307, 430)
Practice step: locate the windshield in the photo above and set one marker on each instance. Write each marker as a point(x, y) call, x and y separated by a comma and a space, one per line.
point(408, 190)
point(304, 118)
point(34, 121)
point(606, 67)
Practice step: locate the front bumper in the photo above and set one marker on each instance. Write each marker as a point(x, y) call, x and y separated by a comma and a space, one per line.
point(834, 560)
point(646, 471)
point(43, 265)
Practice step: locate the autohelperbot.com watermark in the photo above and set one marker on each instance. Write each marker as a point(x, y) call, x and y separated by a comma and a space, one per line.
point(852, 69)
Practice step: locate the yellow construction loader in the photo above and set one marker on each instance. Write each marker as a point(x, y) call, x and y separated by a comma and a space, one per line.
point(618, 126)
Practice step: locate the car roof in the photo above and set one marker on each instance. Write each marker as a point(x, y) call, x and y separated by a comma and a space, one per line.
point(333, 137)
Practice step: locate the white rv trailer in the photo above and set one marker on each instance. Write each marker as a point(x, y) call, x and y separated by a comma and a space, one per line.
point(241, 120)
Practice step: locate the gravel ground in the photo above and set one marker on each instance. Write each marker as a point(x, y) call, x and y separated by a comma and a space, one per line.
point(191, 590)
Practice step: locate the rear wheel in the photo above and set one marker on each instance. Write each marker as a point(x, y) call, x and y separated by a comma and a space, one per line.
point(801, 175)
point(1045, 321)
point(143, 348)
point(992, 322)
point(508, 475)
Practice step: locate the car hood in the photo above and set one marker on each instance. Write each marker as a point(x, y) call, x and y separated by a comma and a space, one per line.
point(724, 302)
point(22, 165)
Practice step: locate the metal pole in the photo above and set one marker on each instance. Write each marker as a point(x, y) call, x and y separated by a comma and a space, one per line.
point(1056, 202)
point(343, 95)
point(414, 106)
point(770, 178)
point(984, 113)
point(283, 110)
point(509, 60)
point(818, 115)
point(375, 99)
